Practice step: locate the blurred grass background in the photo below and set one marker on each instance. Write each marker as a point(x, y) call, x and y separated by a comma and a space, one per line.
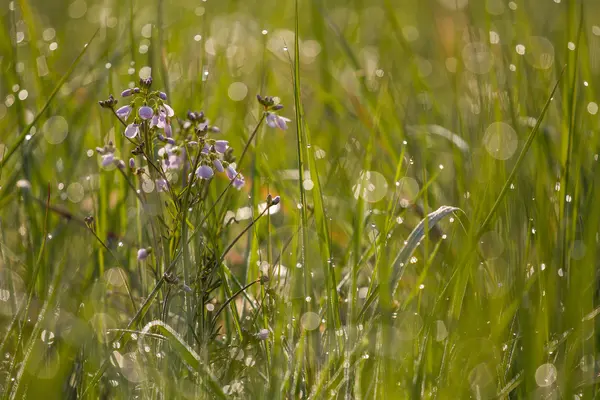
point(407, 106)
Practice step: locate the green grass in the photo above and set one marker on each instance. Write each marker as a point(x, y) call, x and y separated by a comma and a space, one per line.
point(437, 234)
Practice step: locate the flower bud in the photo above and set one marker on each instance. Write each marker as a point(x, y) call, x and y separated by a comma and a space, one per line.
point(142, 253)
point(204, 172)
point(263, 334)
point(145, 112)
point(218, 165)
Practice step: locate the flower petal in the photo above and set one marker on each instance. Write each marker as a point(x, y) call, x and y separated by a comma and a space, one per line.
point(132, 130)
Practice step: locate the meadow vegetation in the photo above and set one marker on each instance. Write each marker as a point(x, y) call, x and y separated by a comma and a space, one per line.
point(315, 199)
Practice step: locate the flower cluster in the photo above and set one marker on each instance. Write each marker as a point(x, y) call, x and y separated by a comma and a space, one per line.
point(146, 106)
point(177, 154)
point(148, 118)
point(274, 120)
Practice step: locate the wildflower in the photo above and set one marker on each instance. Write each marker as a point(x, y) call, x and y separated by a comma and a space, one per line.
point(143, 253)
point(158, 120)
point(221, 146)
point(131, 163)
point(168, 130)
point(274, 201)
point(204, 172)
point(167, 110)
point(162, 95)
point(173, 156)
point(277, 121)
point(231, 172)
point(239, 182)
point(107, 159)
point(124, 112)
point(161, 185)
point(206, 149)
point(126, 92)
point(145, 112)
point(218, 165)
point(263, 334)
point(132, 130)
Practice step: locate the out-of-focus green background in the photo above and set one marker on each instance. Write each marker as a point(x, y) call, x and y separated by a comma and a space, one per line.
point(410, 105)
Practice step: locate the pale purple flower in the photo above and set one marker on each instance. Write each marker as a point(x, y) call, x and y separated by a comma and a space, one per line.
point(161, 122)
point(142, 254)
point(231, 172)
point(168, 130)
point(239, 182)
point(277, 121)
point(263, 334)
point(206, 149)
point(131, 163)
point(275, 200)
point(162, 95)
point(107, 159)
point(126, 92)
point(221, 146)
point(123, 112)
point(145, 112)
point(238, 179)
point(161, 185)
point(218, 165)
point(132, 130)
point(167, 110)
point(174, 156)
point(204, 172)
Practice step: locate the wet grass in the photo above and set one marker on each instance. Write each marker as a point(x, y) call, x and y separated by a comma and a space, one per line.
point(437, 234)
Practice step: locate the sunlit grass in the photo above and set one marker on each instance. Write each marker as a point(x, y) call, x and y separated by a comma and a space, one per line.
point(438, 227)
